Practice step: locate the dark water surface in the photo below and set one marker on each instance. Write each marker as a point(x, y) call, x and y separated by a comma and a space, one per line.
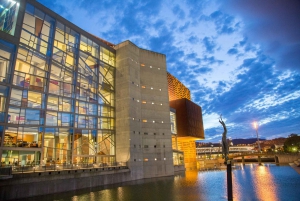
point(251, 182)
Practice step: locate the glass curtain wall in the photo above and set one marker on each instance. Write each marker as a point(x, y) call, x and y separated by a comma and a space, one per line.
point(8, 15)
point(61, 96)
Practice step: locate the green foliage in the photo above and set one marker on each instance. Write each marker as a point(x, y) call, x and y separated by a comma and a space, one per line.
point(292, 144)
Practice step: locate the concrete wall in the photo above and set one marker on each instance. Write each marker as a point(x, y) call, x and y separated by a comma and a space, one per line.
point(143, 133)
point(34, 184)
point(287, 158)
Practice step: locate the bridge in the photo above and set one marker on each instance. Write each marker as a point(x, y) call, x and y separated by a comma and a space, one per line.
point(255, 157)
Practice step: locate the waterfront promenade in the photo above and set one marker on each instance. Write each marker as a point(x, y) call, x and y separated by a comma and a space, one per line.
point(250, 184)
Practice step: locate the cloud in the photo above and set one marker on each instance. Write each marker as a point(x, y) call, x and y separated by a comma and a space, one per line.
point(225, 24)
point(274, 24)
point(209, 44)
point(232, 51)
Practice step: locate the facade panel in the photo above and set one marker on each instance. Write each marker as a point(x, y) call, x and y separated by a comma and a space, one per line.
point(176, 89)
point(188, 118)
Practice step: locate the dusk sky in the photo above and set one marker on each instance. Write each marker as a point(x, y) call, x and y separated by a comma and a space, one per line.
point(239, 58)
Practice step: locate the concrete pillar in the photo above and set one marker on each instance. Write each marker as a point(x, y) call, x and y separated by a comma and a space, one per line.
point(259, 160)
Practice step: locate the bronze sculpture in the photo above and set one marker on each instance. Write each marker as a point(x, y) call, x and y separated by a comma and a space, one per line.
point(225, 144)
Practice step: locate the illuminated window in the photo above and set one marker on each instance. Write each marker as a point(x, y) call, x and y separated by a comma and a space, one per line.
point(153, 121)
point(150, 66)
point(142, 64)
point(143, 87)
point(158, 68)
point(144, 102)
point(146, 159)
point(161, 104)
point(137, 100)
point(144, 120)
point(151, 87)
point(152, 103)
point(159, 89)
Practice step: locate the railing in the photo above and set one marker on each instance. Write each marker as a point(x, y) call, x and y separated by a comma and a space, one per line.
point(60, 167)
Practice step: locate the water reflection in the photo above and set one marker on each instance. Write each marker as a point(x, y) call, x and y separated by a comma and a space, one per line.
point(261, 183)
point(265, 185)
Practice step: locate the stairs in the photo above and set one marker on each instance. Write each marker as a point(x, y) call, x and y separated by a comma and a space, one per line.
point(297, 162)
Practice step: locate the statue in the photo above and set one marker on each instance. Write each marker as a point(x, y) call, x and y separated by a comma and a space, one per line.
point(225, 144)
point(225, 150)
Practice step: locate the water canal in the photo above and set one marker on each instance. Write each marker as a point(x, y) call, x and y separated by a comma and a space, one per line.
point(250, 182)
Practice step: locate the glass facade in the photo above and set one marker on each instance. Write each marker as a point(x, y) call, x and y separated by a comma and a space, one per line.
point(8, 15)
point(173, 122)
point(56, 95)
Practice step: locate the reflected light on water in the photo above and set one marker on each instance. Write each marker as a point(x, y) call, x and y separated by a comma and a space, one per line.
point(236, 189)
point(265, 185)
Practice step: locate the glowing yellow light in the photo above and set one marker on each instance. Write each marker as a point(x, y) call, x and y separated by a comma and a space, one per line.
point(255, 125)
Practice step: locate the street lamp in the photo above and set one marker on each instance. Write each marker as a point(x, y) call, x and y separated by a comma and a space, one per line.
point(256, 129)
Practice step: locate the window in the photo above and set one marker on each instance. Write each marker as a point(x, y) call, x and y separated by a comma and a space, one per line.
point(25, 98)
point(29, 137)
point(37, 29)
point(3, 95)
point(8, 16)
point(144, 120)
point(6, 50)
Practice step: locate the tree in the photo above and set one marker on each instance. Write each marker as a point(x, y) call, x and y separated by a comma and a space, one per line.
point(292, 144)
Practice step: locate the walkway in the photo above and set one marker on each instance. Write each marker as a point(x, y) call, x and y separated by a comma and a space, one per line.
point(297, 169)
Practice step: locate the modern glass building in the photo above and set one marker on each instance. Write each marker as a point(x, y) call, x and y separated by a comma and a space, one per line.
point(56, 89)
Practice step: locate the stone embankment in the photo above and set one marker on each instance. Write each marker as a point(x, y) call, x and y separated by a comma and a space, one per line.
point(296, 165)
point(41, 183)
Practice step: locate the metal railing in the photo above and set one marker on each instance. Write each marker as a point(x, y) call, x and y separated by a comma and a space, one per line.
point(61, 167)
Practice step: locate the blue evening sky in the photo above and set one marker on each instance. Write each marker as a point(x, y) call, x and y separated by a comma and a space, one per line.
point(239, 58)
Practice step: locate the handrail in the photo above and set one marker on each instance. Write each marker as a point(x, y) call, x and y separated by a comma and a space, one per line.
point(60, 167)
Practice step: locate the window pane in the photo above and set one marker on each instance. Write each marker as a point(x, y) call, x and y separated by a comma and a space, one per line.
point(9, 12)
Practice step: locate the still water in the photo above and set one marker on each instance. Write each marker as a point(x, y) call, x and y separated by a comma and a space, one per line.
point(251, 182)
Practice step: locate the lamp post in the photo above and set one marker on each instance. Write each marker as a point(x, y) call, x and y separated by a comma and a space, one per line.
point(256, 129)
